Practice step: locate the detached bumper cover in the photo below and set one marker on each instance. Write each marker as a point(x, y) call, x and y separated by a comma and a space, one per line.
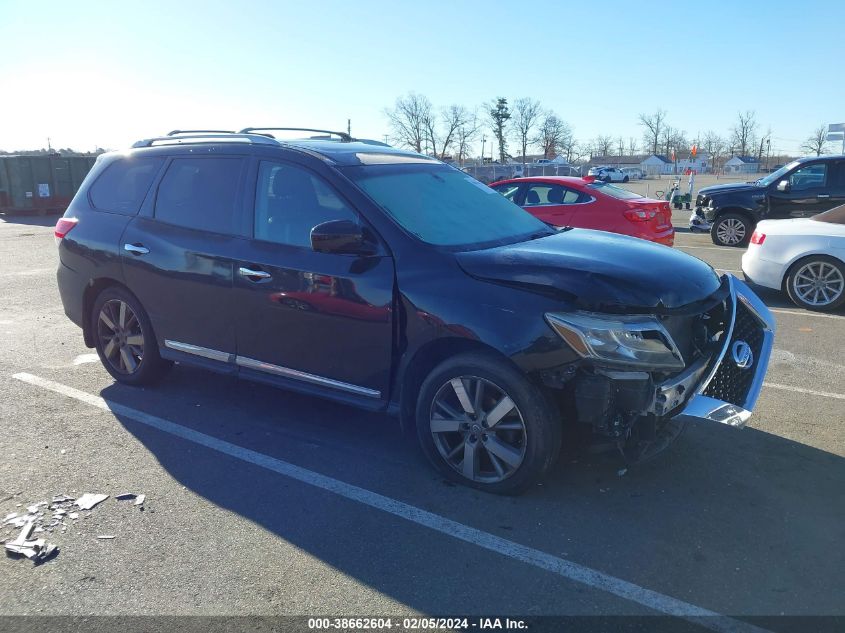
point(727, 387)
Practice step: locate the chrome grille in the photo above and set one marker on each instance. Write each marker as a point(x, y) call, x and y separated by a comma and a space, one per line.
point(731, 383)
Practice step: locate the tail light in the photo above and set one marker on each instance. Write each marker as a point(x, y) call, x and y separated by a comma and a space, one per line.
point(640, 215)
point(63, 227)
point(757, 237)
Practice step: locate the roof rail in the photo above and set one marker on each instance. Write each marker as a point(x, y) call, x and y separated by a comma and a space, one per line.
point(214, 137)
point(175, 132)
point(344, 137)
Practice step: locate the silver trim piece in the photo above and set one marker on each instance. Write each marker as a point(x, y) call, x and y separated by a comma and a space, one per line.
point(196, 350)
point(136, 250)
point(243, 271)
point(251, 363)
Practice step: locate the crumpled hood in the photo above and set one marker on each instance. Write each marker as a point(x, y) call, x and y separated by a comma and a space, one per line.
point(597, 270)
point(732, 187)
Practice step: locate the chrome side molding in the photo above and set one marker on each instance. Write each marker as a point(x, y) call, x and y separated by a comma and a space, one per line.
point(258, 365)
point(251, 363)
point(196, 350)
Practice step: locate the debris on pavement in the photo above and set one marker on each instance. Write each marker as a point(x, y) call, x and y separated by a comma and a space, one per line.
point(89, 500)
point(54, 517)
point(621, 472)
point(38, 550)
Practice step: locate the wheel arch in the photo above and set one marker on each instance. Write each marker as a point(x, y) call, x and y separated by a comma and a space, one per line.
point(423, 361)
point(93, 289)
point(737, 211)
point(788, 268)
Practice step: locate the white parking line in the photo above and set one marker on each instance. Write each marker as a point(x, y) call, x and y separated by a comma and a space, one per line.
point(807, 314)
point(812, 392)
point(29, 272)
point(542, 560)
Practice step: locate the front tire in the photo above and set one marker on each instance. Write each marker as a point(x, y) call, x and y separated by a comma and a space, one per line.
point(124, 338)
point(817, 283)
point(731, 229)
point(483, 424)
point(625, 179)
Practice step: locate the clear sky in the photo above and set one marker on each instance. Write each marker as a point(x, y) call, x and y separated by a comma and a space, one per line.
point(90, 74)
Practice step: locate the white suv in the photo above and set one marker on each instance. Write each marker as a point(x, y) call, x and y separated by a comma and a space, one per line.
point(609, 174)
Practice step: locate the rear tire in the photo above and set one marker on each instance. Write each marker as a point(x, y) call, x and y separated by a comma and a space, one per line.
point(817, 283)
point(477, 407)
point(625, 179)
point(731, 229)
point(124, 338)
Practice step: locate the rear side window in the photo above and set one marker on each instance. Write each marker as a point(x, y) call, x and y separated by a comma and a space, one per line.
point(122, 186)
point(200, 193)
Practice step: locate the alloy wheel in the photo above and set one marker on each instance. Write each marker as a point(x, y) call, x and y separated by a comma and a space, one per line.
point(120, 336)
point(478, 429)
point(731, 231)
point(818, 283)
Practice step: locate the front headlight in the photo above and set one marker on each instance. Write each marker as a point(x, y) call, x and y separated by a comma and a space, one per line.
point(630, 341)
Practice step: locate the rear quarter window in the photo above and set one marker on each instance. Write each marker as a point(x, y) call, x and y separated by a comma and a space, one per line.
point(123, 185)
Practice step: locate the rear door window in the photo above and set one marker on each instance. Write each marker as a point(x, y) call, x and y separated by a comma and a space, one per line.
point(200, 193)
point(544, 194)
point(123, 185)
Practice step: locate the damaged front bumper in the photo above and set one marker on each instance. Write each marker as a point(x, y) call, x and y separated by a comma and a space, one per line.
point(725, 387)
point(698, 223)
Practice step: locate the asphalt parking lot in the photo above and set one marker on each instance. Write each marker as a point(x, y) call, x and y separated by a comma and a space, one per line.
point(263, 502)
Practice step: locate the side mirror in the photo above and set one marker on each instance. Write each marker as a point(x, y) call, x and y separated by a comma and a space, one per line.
point(783, 185)
point(342, 237)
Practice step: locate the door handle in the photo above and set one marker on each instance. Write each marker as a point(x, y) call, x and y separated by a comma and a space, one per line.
point(136, 249)
point(249, 273)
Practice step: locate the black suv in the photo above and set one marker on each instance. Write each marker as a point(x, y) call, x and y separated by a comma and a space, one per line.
point(388, 280)
point(801, 189)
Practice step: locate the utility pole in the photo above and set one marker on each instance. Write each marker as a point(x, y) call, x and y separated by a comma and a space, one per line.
point(386, 136)
point(49, 147)
point(483, 141)
point(349, 126)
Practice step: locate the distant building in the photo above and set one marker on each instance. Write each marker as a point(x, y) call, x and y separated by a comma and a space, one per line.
point(742, 165)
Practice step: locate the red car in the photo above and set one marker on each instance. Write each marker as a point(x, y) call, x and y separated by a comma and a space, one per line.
point(591, 204)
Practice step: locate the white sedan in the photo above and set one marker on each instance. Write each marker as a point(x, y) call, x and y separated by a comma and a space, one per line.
point(805, 257)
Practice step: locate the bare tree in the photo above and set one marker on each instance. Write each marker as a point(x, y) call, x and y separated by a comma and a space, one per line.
point(653, 124)
point(603, 145)
point(526, 116)
point(764, 141)
point(666, 137)
point(466, 133)
point(633, 148)
point(715, 146)
point(553, 135)
point(441, 131)
point(620, 146)
point(743, 133)
point(408, 120)
point(816, 143)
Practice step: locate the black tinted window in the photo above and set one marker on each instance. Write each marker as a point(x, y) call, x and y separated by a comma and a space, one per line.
point(200, 193)
point(291, 201)
point(123, 184)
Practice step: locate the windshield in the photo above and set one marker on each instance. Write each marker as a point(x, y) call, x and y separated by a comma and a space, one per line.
point(776, 175)
point(612, 190)
point(445, 207)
